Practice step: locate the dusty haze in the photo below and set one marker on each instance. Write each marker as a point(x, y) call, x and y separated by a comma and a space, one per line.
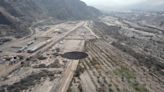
point(127, 4)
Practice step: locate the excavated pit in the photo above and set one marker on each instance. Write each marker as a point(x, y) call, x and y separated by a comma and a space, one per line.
point(75, 55)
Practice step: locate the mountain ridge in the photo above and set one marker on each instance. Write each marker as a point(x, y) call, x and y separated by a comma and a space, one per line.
point(21, 13)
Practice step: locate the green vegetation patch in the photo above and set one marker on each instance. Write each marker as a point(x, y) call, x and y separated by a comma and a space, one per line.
point(140, 88)
point(125, 72)
point(129, 76)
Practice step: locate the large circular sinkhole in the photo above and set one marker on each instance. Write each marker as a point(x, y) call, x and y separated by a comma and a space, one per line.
point(75, 55)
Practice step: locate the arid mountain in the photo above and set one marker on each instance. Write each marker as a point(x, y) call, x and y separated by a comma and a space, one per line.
point(21, 13)
point(67, 9)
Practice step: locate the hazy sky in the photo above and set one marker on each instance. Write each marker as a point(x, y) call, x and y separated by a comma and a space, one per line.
point(123, 3)
point(112, 3)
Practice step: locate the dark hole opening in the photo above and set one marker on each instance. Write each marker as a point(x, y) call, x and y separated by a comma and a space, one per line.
point(75, 55)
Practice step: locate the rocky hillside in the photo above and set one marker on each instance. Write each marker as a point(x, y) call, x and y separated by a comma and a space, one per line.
point(20, 14)
point(67, 9)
